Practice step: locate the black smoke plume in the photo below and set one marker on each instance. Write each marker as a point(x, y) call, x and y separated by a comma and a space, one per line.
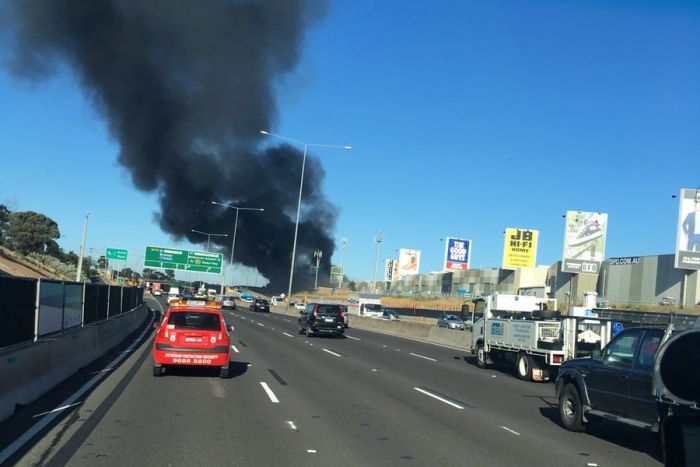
point(185, 87)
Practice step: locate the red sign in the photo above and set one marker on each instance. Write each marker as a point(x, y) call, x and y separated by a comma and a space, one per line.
point(456, 266)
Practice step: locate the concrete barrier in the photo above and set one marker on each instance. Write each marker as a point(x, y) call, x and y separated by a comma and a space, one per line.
point(30, 370)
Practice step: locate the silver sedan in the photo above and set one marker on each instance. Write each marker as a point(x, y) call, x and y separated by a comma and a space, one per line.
point(450, 322)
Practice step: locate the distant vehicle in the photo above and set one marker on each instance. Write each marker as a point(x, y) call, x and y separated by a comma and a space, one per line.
point(247, 297)
point(229, 302)
point(321, 319)
point(157, 293)
point(615, 384)
point(173, 294)
point(186, 295)
point(365, 305)
point(192, 333)
point(260, 304)
point(297, 305)
point(450, 322)
point(277, 301)
point(390, 315)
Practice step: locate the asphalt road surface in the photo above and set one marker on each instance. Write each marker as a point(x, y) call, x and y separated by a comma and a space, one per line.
point(366, 399)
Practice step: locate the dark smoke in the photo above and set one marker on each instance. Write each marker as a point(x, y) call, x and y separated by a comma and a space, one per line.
point(185, 87)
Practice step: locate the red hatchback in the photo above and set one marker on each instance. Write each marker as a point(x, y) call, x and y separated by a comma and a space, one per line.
point(193, 333)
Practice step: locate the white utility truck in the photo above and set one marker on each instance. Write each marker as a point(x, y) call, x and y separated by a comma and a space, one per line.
point(529, 333)
point(365, 305)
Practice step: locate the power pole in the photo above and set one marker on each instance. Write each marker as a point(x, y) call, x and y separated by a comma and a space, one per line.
point(343, 242)
point(378, 239)
point(317, 254)
point(79, 272)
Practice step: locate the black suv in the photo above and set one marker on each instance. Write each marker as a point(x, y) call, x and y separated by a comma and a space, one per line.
point(260, 304)
point(322, 319)
point(615, 384)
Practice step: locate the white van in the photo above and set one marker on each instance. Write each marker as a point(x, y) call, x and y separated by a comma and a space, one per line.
point(173, 294)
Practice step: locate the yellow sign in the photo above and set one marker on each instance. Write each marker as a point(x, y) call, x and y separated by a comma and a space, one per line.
point(520, 248)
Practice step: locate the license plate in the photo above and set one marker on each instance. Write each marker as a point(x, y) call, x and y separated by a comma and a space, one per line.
point(193, 339)
point(328, 320)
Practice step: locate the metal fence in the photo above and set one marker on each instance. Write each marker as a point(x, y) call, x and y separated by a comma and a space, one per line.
point(33, 308)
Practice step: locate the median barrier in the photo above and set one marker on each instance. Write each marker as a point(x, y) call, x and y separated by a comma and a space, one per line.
point(28, 371)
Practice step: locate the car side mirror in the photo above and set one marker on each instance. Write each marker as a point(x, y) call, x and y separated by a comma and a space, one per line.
point(229, 328)
point(597, 354)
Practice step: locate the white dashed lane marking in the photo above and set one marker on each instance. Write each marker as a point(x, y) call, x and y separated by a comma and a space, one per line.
point(269, 392)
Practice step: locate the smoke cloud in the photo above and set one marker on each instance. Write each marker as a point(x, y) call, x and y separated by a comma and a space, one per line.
point(185, 88)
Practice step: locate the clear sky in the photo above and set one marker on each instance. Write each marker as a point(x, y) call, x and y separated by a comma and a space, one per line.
point(465, 117)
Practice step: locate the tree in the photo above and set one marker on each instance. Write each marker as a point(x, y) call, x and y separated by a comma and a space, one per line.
point(127, 272)
point(352, 286)
point(170, 273)
point(4, 220)
point(31, 232)
point(102, 262)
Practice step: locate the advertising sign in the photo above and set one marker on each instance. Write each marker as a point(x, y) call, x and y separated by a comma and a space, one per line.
point(172, 258)
point(688, 233)
point(520, 248)
point(395, 276)
point(388, 270)
point(457, 254)
point(409, 262)
point(623, 261)
point(584, 242)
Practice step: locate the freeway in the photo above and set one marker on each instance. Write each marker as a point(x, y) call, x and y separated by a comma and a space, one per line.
point(367, 399)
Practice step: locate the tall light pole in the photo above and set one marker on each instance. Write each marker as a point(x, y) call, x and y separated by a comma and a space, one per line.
point(343, 242)
point(79, 272)
point(301, 187)
point(209, 236)
point(318, 254)
point(235, 229)
point(378, 239)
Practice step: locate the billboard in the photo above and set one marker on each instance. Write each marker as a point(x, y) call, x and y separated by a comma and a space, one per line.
point(457, 254)
point(688, 231)
point(409, 262)
point(520, 248)
point(388, 270)
point(584, 242)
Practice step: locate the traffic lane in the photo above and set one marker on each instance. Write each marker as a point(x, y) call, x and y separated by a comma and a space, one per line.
point(187, 418)
point(521, 406)
point(53, 409)
point(379, 417)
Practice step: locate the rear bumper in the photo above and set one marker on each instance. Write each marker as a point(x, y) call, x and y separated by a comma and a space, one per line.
point(339, 328)
point(192, 357)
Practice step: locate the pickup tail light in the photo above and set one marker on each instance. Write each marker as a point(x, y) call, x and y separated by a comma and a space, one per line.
point(557, 359)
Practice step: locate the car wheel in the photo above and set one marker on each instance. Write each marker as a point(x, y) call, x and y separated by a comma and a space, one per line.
point(481, 357)
point(157, 370)
point(523, 366)
point(570, 409)
point(225, 372)
point(308, 331)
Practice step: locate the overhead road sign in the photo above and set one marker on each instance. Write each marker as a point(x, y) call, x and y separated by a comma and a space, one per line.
point(117, 254)
point(183, 260)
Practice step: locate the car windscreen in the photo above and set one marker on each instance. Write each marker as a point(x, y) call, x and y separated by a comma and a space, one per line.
point(328, 310)
point(195, 320)
point(373, 307)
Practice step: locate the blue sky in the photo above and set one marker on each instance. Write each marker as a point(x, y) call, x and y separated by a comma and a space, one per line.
point(465, 118)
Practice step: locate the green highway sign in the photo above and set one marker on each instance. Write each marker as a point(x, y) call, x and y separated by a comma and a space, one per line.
point(184, 260)
point(120, 280)
point(336, 271)
point(116, 253)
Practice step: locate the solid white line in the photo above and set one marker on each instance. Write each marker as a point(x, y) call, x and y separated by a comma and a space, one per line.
point(41, 424)
point(592, 464)
point(422, 356)
point(439, 398)
point(260, 324)
point(269, 392)
point(508, 429)
point(331, 352)
point(57, 409)
point(287, 334)
point(351, 337)
point(235, 349)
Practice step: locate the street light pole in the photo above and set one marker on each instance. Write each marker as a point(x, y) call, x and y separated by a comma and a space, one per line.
point(301, 188)
point(317, 254)
point(343, 242)
point(78, 273)
point(235, 229)
point(378, 239)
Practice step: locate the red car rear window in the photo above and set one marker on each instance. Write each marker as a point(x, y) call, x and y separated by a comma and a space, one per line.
point(195, 320)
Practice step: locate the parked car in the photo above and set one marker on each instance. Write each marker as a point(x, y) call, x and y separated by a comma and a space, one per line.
point(192, 334)
point(615, 383)
point(229, 302)
point(450, 322)
point(321, 319)
point(260, 304)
